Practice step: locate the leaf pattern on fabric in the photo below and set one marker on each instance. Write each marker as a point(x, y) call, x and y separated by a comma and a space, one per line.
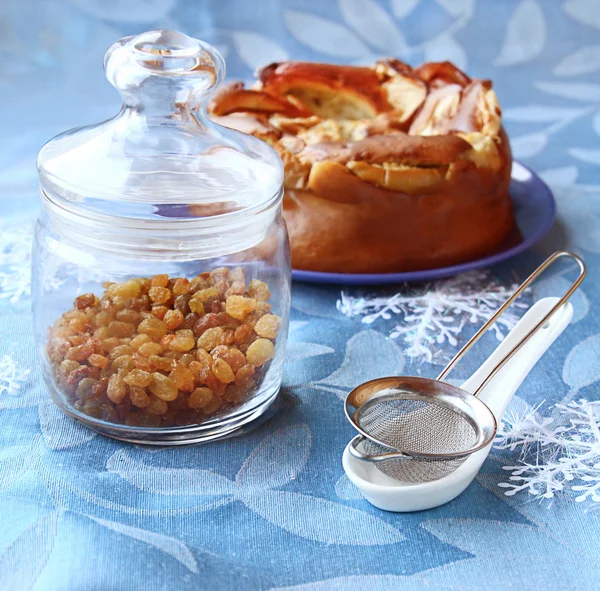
point(582, 61)
point(324, 36)
point(540, 113)
point(374, 25)
point(256, 50)
point(171, 546)
point(168, 481)
point(357, 368)
point(525, 146)
point(297, 351)
point(509, 538)
point(344, 489)
point(402, 8)
point(14, 462)
point(321, 520)
point(562, 519)
point(582, 366)
point(60, 431)
point(583, 11)
point(585, 155)
point(446, 47)
point(360, 582)
point(525, 34)
point(23, 561)
point(128, 11)
point(557, 285)
point(578, 91)
point(277, 459)
point(561, 176)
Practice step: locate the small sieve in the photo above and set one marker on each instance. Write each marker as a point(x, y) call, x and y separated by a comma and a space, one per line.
point(421, 429)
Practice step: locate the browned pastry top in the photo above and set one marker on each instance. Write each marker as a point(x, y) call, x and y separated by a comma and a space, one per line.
point(388, 114)
point(387, 168)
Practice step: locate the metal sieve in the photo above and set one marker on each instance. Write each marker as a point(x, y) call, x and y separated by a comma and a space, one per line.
point(420, 429)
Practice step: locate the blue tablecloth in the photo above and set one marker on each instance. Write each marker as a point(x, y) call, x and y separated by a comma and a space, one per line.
point(273, 509)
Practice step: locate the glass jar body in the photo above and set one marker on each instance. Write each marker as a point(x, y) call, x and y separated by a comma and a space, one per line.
point(161, 333)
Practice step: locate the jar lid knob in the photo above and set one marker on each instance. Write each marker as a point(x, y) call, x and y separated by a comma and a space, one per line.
point(177, 66)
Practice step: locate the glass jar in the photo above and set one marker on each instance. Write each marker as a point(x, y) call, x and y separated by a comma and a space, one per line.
point(161, 274)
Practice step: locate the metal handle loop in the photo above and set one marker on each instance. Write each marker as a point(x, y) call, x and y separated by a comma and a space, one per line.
point(549, 261)
point(359, 455)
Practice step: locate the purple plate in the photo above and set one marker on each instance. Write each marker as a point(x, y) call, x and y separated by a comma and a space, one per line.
point(534, 209)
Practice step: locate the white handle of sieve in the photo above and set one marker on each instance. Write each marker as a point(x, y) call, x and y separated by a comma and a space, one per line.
point(499, 390)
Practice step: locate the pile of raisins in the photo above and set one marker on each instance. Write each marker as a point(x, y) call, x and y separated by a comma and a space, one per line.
point(165, 351)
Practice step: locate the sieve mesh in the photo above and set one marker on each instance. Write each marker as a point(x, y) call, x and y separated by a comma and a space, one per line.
point(416, 427)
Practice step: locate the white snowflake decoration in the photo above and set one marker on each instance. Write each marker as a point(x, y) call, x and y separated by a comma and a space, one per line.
point(438, 314)
point(11, 376)
point(15, 261)
point(555, 457)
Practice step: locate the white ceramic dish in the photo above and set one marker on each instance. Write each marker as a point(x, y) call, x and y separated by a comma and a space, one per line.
point(391, 495)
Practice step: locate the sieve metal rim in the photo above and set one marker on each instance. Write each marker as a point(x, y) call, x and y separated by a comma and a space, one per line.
point(375, 390)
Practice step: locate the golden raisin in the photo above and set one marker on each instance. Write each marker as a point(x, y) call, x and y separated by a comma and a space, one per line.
point(213, 406)
point(139, 340)
point(259, 290)
point(267, 326)
point(157, 406)
point(245, 376)
point(116, 389)
point(121, 350)
point(160, 311)
point(205, 294)
point(138, 396)
point(124, 362)
point(159, 295)
point(110, 343)
point(138, 377)
point(239, 306)
point(81, 352)
point(167, 339)
point(237, 274)
point(186, 358)
point(148, 349)
point(103, 318)
point(235, 358)
point(234, 393)
point(153, 327)
point(210, 338)
point(98, 361)
point(204, 357)
point(202, 281)
point(180, 286)
point(196, 306)
point(129, 315)
point(121, 329)
point(163, 387)
point(243, 334)
point(172, 319)
point(236, 288)
point(204, 323)
point(183, 378)
point(161, 363)
point(199, 371)
point(222, 371)
point(127, 289)
point(85, 301)
point(184, 341)
point(200, 398)
point(260, 351)
point(141, 362)
point(159, 281)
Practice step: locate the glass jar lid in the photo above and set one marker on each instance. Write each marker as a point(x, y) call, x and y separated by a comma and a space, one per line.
point(160, 157)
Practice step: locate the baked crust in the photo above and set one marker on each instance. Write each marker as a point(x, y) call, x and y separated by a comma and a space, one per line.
point(387, 168)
